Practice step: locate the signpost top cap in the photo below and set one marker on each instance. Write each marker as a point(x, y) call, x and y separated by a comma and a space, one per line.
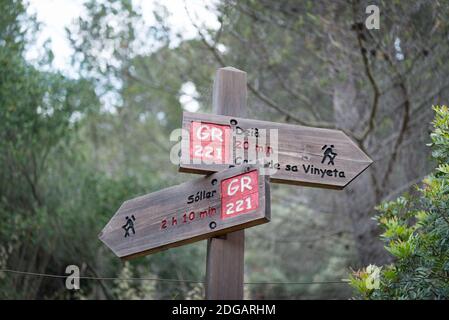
point(229, 68)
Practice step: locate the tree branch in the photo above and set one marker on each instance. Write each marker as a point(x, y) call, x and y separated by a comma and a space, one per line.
point(372, 81)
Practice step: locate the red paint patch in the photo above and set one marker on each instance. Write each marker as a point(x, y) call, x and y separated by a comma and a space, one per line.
point(239, 194)
point(210, 142)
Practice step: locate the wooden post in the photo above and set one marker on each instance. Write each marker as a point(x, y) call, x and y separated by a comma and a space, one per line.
point(225, 255)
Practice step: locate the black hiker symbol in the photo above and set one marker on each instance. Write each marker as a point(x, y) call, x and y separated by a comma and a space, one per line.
point(329, 153)
point(129, 225)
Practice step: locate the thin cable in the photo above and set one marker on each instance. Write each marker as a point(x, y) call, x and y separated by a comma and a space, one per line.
point(310, 283)
point(47, 275)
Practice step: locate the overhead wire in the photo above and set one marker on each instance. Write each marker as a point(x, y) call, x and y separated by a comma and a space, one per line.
point(58, 276)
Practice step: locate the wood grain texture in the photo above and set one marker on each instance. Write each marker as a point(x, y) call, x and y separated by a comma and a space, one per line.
point(229, 95)
point(298, 146)
point(152, 209)
point(225, 257)
point(225, 267)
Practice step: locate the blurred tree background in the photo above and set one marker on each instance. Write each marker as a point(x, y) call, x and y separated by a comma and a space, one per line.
point(72, 149)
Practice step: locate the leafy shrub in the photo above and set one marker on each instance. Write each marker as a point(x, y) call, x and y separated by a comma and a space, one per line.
point(416, 233)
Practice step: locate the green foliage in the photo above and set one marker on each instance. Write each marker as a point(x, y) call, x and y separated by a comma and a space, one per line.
point(133, 290)
point(66, 167)
point(416, 233)
point(15, 26)
point(44, 181)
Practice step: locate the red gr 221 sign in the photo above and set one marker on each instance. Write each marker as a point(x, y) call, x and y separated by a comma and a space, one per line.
point(210, 142)
point(239, 194)
point(232, 199)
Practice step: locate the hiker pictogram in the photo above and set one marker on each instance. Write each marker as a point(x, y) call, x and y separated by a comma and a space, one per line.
point(129, 225)
point(328, 153)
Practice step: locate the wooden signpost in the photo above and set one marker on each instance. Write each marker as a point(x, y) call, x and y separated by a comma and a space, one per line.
point(225, 255)
point(304, 155)
point(235, 196)
point(220, 203)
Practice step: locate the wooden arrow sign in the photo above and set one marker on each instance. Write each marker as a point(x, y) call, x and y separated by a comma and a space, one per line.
point(223, 202)
point(294, 154)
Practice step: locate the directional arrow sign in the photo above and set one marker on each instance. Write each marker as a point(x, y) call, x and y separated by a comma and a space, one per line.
point(223, 202)
point(294, 154)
